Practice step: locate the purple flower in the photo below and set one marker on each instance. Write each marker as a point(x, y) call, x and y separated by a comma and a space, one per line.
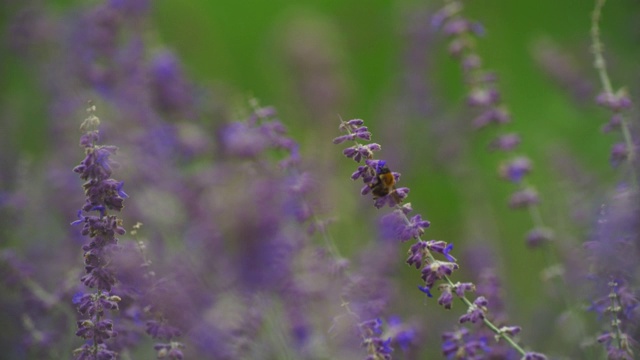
point(506, 142)
point(461, 288)
point(415, 228)
point(446, 296)
point(171, 92)
point(476, 312)
point(161, 330)
point(492, 115)
point(377, 348)
point(619, 154)
point(402, 334)
point(171, 351)
point(460, 344)
point(614, 102)
point(615, 123)
point(437, 271)
point(523, 198)
point(483, 97)
point(442, 248)
point(416, 254)
point(515, 169)
point(539, 236)
point(96, 331)
point(94, 352)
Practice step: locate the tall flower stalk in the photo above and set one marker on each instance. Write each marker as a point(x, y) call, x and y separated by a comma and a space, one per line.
point(435, 272)
point(618, 221)
point(484, 98)
point(618, 101)
point(103, 194)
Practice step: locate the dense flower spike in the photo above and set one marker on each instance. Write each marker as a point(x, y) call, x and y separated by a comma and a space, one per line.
point(434, 272)
point(102, 194)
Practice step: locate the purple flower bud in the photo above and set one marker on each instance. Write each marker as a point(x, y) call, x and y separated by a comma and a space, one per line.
point(436, 271)
point(510, 330)
point(350, 152)
point(481, 301)
point(456, 26)
point(414, 229)
point(482, 97)
point(461, 288)
point(442, 248)
point(446, 297)
point(355, 122)
point(373, 147)
point(506, 142)
point(461, 344)
point(474, 315)
point(86, 352)
point(615, 122)
point(363, 172)
point(376, 165)
point(471, 62)
point(619, 154)
point(402, 192)
point(515, 169)
point(539, 236)
point(492, 115)
point(416, 253)
point(523, 198)
point(406, 208)
point(363, 135)
point(342, 138)
point(477, 28)
point(426, 290)
point(614, 102)
point(457, 47)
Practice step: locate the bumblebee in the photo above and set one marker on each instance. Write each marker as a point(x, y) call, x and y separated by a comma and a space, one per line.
point(384, 184)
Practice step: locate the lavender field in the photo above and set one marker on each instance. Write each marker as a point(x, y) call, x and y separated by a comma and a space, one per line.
point(219, 179)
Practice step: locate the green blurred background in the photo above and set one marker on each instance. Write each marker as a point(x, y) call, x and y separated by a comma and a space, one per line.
point(257, 48)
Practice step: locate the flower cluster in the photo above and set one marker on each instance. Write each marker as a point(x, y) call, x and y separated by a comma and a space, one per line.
point(103, 194)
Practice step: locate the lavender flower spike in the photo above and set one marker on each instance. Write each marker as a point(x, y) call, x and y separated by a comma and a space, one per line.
point(616, 102)
point(380, 182)
point(102, 194)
